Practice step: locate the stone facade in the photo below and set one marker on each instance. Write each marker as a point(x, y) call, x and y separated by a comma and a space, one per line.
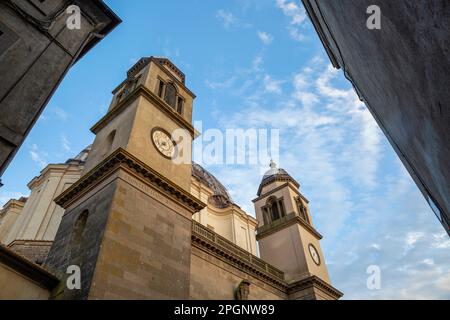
point(9, 215)
point(35, 251)
point(141, 226)
point(36, 51)
point(40, 217)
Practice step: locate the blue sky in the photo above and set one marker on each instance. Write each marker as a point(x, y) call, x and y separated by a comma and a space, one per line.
point(260, 64)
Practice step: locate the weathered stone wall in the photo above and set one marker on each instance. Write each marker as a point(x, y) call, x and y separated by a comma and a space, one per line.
point(65, 251)
point(145, 251)
point(35, 251)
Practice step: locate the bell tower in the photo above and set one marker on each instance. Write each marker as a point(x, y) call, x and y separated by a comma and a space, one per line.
point(127, 223)
point(287, 238)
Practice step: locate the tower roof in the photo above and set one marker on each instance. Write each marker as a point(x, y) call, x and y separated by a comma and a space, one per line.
point(81, 157)
point(163, 61)
point(275, 174)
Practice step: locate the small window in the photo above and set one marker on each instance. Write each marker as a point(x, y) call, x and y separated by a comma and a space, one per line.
point(161, 89)
point(302, 211)
point(171, 93)
point(274, 210)
point(281, 208)
point(265, 211)
point(108, 144)
point(180, 105)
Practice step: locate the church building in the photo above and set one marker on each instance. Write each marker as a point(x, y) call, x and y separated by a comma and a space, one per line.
point(140, 225)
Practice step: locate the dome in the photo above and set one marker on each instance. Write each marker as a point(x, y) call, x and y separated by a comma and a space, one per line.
point(274, 170)
point(275, 174)
point(220, 198)
point(81, 157)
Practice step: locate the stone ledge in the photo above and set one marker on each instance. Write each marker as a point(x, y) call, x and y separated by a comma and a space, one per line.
point(316, 282)
point(285, 222)
point(122, 159)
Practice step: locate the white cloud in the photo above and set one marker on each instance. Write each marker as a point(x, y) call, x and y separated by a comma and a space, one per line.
point(65, 143)
point(265, 37)
point(428, 262)
point(226, 17)
point(296, 13)
point(296, 34)
point(441, 241)
point(413, 237)
point(257, 62)
point(225, 84)
point(272, 85)
point(297, 16)
point(38, 156)
point(60, 113)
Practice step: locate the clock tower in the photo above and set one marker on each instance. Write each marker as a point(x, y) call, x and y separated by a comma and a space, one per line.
point(287, 238)
point(127, 224)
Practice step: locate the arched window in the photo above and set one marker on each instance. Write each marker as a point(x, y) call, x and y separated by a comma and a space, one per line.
point(180, 105)
point(275, 211)
point(108, 143)
point(171, 95)
point(161, 89)
point(78, 229)
point(302, 210)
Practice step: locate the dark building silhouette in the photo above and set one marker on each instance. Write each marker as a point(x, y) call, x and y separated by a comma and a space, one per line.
point(37, 48)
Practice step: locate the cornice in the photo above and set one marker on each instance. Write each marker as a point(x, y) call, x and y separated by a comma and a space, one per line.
point(141, 90)
point(30, 242)
point(314, 281)
point(289, 220)
point(273, 191)
point(279, 188)
point(122, 159)
point(171, 66)
point(279, 177)
point(12, 204)
point(144, 62)
point(61, 168)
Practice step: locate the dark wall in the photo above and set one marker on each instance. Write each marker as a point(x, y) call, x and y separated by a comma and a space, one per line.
point(36, 51)
point(403, 73)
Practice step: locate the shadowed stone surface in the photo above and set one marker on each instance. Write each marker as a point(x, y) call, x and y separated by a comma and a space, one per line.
point(36, 51)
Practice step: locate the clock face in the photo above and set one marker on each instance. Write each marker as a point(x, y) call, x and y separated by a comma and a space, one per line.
point(163, 143)
point(314, 254)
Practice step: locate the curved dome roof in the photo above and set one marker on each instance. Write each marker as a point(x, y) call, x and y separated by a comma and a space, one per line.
point(81, 157)
point(274, 171)
point(273, 174)
point(221, 196)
